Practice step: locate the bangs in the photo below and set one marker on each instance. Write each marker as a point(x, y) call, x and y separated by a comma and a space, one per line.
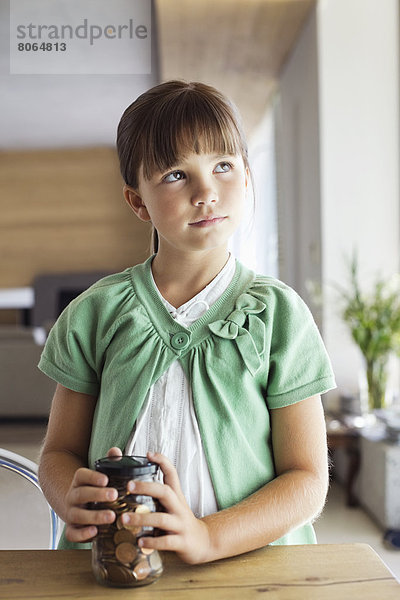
point(194, 125)
point(172, 120)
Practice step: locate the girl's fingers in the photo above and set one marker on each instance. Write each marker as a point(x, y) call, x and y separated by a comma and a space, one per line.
point(163, 492)
point(88, 477)
point(89, 486)
point(170, 474)
point(80, 534)
point(84, 494)
point(114, 451)
point(164, 521)
point(169, 542)
point(84, 516)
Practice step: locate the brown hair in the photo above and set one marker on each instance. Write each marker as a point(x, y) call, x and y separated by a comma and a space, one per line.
point(172, 119)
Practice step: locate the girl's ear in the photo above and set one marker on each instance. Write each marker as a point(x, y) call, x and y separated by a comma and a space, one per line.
point(134, 200)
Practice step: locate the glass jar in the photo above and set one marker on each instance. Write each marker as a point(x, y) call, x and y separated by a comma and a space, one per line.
point(117, 560)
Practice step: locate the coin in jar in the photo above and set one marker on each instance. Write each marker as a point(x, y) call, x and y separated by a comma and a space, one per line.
point(123, 535)
point(155, 561)
point(142, 509)
point(100, 572)
point(120, 575)
point(142, 570)
point(125, 553)
point(134, 529)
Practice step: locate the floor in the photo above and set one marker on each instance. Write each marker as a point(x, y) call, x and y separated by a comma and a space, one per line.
point(26, 508)
point(340, 524)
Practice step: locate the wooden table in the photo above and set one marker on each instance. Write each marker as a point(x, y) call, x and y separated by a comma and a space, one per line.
point(320, 572)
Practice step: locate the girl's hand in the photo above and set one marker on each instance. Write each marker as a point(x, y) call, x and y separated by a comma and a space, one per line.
point(88, 486)
point(184, 533)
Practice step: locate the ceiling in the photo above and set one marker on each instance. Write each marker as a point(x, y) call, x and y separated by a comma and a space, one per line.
point(238, 46)
point(67, 111)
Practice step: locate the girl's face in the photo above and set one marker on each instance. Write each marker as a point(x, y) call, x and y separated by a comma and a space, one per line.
point(197, 204)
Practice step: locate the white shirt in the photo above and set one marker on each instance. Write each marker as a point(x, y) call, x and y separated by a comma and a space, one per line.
point(167, 422)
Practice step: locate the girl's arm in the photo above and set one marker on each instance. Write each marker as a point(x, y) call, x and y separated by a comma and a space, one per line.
point(298, 493)
point(296, 496)
point(64, 477)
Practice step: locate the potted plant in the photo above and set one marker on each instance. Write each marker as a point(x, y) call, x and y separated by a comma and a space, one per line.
point(374, 322)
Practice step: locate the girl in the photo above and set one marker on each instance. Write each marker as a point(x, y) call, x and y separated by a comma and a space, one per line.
point(213, 371)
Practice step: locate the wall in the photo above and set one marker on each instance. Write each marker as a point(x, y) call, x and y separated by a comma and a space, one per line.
point(63, 211)
point(298, 165)
point(359, 116)
point(338, 155)
point(255, 243)
point(61, 203)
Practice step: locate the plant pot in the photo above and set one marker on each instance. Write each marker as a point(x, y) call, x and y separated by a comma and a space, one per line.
point(376, 375)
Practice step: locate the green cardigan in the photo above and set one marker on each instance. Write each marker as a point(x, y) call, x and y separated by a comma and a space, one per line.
point(257, 348)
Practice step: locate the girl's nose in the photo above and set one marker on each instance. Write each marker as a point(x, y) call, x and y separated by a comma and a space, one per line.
point(204, 195)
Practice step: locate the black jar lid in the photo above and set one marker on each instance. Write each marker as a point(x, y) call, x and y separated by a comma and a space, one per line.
point(125, 466)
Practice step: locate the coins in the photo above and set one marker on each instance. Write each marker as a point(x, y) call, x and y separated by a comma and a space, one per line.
point(126, 553)
point(142, 509)
point(117, 558)
point(155, 561)
point(123, 535)
point(142, 570)
point(120, 575)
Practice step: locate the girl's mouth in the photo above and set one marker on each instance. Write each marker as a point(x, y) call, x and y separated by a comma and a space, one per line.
point(207, 222)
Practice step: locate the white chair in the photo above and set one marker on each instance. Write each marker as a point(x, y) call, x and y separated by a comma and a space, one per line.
point(29, 470)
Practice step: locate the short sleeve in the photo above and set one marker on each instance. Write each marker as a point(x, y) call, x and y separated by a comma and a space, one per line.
point(299, 363)
point(70, 355)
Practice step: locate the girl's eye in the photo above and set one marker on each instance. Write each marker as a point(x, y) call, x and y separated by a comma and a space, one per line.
point(223, 167)
point(174, 176)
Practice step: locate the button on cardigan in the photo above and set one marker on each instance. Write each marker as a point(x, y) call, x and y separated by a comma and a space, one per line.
point(257, 348)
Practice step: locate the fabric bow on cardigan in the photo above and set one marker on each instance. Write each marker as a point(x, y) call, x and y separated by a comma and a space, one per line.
point(246, 329)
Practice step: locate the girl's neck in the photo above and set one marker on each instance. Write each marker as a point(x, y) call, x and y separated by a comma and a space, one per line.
point(180, 277)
